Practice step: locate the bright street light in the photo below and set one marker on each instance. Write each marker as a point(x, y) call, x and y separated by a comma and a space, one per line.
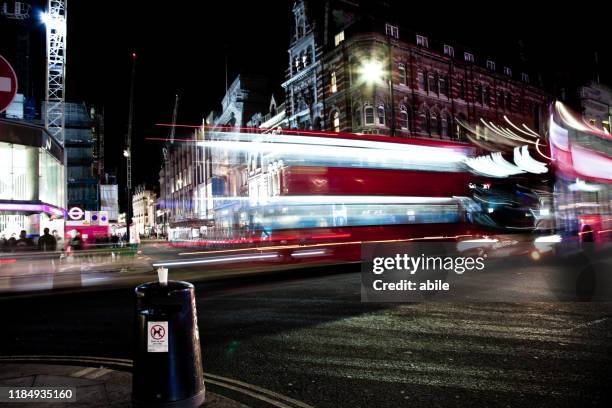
point(54, 23)
point(371, 71)
point(126, 153)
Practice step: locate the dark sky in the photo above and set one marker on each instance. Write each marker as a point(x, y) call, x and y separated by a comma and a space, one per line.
point(181, 47)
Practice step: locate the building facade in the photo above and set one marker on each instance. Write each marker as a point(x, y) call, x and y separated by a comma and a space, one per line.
point(144, 211)
point(595, 101)
point(82, 128)
point(32, 185)
point(366, 74)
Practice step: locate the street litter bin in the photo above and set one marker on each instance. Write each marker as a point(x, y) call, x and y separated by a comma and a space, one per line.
point(167, 359)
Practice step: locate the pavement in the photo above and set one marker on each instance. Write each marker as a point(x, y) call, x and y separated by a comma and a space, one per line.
point(305, 336)
point(95, 386)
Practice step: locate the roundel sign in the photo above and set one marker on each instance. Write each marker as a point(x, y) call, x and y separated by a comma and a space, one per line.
point(8, 84)
point(75, 213)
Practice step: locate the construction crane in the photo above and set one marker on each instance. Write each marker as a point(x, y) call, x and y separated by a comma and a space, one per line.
point(55, 23)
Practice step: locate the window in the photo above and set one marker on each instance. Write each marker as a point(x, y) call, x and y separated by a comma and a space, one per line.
point(422, 41)
point(468, 57)
point(402, 74)
point(479, 94)
point(461, 86)
point(391, 30)
point(433, 83)
point(491, 65)
point(403, 119)
point(507, 71)
point(339, 38)
point(443, 86)
point(423, 80)
point(449, 50)
point(509, 101)
point(501, 100)
point(381, 115)
point(433, 127)
point(444, 125)
point(525, 77)
point(369, 115)
point(334, 87)
point(487, 96)
point(357, 115)
point(336, 121)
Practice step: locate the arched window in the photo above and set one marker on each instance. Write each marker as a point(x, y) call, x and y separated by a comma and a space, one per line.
point(402, 74)
point(445, 125)
point(404, 119)
point(334, 86)
point(434, 124)
point(336, 121)
point(381, 115)
point(368, 112)
point(424, 119)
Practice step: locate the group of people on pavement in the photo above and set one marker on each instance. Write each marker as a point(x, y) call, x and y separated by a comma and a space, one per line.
point(46, 242)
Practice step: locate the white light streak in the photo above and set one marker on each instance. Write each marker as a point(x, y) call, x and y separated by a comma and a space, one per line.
point(220, 259)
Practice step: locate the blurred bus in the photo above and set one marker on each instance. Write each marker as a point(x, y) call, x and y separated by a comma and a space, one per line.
point(582, 157)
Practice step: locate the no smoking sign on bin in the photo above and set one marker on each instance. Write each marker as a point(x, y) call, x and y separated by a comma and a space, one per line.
point(157, 337)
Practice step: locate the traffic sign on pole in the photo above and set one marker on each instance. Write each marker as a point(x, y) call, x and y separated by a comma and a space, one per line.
point(8, 84)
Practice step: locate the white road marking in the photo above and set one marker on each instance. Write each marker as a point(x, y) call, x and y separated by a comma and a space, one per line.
point(83, 372)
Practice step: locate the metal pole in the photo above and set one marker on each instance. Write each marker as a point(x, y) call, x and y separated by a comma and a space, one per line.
point(128, 148)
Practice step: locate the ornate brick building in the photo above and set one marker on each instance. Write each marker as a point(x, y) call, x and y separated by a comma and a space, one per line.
point(353, 68)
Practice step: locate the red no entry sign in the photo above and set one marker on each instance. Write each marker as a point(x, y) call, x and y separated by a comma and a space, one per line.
point(8, 84)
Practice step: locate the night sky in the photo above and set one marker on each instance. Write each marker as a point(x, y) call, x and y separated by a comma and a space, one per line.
point(181, 47)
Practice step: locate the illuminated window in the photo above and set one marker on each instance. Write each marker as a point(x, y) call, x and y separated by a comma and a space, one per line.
point(369, 115)
point(423, 80)
point(336, 121)
point(392, 30)
point(491, 65)
point(403, 119)
point(468, 57)
point(334, 87)
point(422, 41)
point(402, 74)
point(508, 71)
point(449, 50)
point(525, 77)
point(339, 38)
point(381, 115)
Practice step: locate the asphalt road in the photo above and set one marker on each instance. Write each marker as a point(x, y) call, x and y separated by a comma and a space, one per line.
point(308, 336)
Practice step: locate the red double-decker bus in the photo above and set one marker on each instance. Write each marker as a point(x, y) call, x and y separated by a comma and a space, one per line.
point(582, 158)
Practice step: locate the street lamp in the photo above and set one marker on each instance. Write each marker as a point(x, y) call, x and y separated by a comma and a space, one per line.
point(126, 153)
point(371, 71)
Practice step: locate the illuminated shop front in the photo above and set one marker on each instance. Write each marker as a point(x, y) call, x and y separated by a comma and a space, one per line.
point(32, 188)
